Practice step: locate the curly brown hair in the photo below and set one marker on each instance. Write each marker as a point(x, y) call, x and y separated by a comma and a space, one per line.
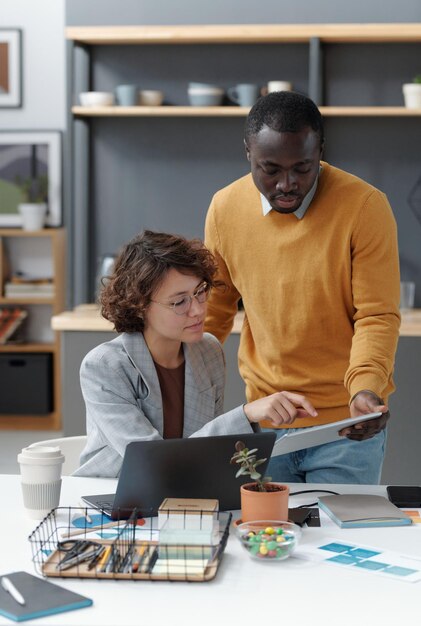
point(141, 267)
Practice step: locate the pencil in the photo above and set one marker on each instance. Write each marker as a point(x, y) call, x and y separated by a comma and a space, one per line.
point(85, 513)
point(138, 557)
point(92, 529)
point(104, 559)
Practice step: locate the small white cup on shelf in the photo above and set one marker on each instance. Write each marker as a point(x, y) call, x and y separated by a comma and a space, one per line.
point(33, 215)
point(407, 295)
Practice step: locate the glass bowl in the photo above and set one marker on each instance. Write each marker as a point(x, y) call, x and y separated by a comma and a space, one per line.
point(268, 540)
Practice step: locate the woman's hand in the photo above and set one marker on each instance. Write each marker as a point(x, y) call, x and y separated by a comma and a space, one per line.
point(281, 408)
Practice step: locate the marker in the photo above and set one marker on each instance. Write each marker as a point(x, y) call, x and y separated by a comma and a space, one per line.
point(8, 586)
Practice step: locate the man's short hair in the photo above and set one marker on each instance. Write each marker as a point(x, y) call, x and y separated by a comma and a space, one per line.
point(284, 111)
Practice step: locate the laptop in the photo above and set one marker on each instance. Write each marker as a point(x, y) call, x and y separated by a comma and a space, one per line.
point(197, 467)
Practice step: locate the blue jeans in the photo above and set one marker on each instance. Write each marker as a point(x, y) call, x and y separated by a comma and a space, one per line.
point(345, 461)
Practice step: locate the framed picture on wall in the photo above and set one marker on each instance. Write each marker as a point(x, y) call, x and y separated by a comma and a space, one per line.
point(10, 67)
point(30, 162)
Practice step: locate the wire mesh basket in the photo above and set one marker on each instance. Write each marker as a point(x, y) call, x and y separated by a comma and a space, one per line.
point(69, 543)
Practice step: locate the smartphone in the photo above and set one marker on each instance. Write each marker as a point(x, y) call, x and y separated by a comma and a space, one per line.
point(402, 495)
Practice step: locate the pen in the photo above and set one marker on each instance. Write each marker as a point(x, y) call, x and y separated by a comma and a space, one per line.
point(85, 513)
point(8, 586)
point(96, 558)
point(104, 559)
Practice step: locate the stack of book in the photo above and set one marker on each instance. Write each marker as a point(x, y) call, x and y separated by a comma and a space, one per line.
point(27, 287)
point(10, 320)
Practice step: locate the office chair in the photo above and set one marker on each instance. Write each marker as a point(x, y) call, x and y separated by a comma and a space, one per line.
point(71, 447)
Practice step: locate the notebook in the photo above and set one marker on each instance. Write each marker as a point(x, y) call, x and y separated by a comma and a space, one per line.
point(317, 435)
point(41, 597)
point(196, 467)
point(359, 511)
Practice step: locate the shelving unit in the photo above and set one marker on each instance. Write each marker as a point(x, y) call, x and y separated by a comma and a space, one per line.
point(244, 33)
point(53, 254)
point(228, 111)
point(82, 41)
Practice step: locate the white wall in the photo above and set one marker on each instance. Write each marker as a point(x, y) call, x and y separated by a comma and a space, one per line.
point(44, 85)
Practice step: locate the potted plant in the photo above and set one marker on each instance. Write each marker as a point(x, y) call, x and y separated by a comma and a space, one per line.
point(261, 499)
point(412, 93)
point(33, 209)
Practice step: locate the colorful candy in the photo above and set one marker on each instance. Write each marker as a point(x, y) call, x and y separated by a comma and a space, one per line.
point(272, 543)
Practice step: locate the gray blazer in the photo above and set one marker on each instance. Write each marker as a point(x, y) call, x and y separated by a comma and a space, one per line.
point(123, 399)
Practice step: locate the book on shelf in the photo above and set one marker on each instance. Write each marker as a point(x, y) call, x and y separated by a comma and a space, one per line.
point(10, 320)
point(29, 290)
point(21, 278)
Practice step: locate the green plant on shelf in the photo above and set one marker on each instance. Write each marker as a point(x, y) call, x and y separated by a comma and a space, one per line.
point(417, 79)
point(248, 462)
point(33, 188)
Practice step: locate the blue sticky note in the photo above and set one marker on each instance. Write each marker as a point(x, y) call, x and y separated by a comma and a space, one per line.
point(399, 571)
point(371, 565)
point(336, 547)
point(362, 553)
point(343, 559)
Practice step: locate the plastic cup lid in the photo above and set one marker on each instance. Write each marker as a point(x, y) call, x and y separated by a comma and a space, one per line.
point(40, 454)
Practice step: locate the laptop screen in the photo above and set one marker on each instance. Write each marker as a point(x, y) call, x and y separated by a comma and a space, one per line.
point(197, 467)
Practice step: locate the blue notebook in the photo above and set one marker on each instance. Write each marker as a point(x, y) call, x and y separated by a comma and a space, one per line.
point(360, 511)
point(41, 598)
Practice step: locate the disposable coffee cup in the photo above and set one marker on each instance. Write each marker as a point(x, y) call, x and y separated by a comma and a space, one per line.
point(40, 469)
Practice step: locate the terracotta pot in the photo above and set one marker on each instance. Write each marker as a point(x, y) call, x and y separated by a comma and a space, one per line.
point(264, 505)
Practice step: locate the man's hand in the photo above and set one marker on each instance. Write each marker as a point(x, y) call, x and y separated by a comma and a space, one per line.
point(366, 402)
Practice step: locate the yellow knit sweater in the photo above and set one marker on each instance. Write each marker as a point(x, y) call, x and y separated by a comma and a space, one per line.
point(321, 294)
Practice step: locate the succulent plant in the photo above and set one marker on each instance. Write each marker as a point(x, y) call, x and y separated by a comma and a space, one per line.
point(34, 189)
point(248, 462)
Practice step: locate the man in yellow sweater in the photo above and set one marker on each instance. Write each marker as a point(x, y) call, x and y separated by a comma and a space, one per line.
point(312, 252)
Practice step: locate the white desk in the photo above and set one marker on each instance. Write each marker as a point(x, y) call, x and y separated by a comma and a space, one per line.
point(244, 591)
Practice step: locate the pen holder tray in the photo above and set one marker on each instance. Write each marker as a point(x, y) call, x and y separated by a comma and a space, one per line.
point(127, 549)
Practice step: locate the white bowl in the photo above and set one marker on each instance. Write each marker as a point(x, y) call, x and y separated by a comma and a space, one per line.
point(151, 97)
point(214, 91)
point(96, 98)
point(205, 96)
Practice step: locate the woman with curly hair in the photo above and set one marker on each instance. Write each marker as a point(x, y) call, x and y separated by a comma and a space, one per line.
point(162, 377)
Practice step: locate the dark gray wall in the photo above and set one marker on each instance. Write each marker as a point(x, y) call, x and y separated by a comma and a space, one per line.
point(127, 12)
point(161, 173)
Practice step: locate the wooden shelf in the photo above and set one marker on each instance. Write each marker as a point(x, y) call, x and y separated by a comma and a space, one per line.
point(27, 300)
point(347, 111)
point(232, 111)
point(161, 111)
point(28, 347)
point(30, 422)
point(244, 34)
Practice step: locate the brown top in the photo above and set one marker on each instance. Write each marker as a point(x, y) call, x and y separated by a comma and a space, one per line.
point(171, 382)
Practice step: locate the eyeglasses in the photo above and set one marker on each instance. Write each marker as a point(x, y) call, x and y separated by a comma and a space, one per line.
point(182, 306)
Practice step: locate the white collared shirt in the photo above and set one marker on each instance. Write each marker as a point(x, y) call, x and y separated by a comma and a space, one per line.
point(302, 209)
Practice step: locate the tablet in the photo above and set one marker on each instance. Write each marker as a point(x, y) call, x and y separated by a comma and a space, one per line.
point(316, 435)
